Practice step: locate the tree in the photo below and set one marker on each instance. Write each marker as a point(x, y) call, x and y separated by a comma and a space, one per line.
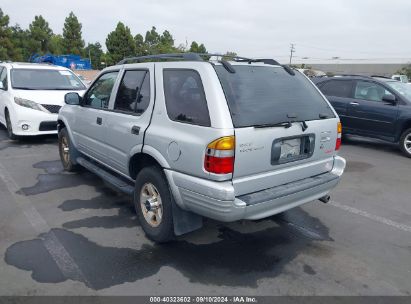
point(229, 55)
point(21, 43)
point(95, 51)
point(167, 44)
point(405, 71)
point(41, 34)
point(120, 43)
point(195, 48)
point(7, 50)
point(141, 47)
point(154, 43)
point(152, 40)
point(167, 39)
point(56, 45)
point(73, 42)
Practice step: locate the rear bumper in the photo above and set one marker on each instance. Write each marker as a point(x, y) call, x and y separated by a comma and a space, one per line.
point(217, 200)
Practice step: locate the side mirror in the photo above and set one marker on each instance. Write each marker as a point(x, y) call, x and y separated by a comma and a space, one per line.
point(72, 99)
point(389, 98)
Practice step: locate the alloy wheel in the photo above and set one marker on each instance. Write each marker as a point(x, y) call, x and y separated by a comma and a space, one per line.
point(65, 150)
point(151, 205)
point(407, 143)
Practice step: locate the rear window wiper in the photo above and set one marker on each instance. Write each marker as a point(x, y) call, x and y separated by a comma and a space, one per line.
point(286, 124)
point(304, 125)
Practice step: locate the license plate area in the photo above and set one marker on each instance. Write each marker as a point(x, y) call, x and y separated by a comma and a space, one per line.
point(289, 149)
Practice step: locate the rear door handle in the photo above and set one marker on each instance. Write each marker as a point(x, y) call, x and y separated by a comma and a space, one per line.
point(135, 130)
point(354, 103)
point(99, 121)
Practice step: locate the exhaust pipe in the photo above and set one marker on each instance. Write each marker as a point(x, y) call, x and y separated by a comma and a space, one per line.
point(325, 199)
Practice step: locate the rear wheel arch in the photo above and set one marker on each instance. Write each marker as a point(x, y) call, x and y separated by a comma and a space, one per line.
point(139, 161)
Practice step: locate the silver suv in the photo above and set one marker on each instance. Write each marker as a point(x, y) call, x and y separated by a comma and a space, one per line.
point(193, 138)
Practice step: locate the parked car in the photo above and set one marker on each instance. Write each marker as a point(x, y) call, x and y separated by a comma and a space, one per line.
point(84, 80)
point(31, 96)
point(372, 106)
point(402, 78)
point(235, 140)
point(312, 73)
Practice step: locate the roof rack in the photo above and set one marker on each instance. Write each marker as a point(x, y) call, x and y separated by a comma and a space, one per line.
point(194, 57)
point(380, 76)
point(199, 57)
point(181, 56)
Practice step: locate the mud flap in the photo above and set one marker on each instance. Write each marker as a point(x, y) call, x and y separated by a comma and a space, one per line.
point(185, 221)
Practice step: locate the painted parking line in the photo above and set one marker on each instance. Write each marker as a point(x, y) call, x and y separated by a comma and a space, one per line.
point(21, 156)
point(62, 258)
point(370, 216)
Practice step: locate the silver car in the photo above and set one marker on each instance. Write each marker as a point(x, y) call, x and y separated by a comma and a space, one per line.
point(192, 138)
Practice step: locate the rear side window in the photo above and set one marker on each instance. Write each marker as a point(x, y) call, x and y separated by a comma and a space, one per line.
point(134, 92)
point(269, 95)
point(338, 88)
point(185, 98)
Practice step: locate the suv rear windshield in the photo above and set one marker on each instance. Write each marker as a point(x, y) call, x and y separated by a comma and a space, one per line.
point(44, 79)
point(269, 95)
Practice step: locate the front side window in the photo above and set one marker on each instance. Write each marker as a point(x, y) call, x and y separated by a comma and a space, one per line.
point(45, 79)
point(98, 96)
point(402, 88)
point(134, 92)
point(370, 91)
point(3, 78)
point(337, 88)
point(185, 97)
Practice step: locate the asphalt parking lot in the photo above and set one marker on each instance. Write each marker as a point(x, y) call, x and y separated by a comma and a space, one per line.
point(69, 234)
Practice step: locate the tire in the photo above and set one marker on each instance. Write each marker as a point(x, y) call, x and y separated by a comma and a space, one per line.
point(9, 127)
point(155, 219)
point(67, 151)
point(405, 143)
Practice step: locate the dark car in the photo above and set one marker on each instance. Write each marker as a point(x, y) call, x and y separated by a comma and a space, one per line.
point(371, 106)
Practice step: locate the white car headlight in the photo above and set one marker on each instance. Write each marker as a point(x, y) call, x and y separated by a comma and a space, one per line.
point(29, 104)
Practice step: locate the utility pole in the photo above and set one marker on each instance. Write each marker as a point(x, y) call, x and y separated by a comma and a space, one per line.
point(292, 50)
point(89, 57)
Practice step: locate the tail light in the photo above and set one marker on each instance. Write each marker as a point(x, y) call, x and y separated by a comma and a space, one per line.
point(338, 142)
point(219, 156)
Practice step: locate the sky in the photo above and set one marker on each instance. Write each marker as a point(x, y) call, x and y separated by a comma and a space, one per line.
point(321, 30)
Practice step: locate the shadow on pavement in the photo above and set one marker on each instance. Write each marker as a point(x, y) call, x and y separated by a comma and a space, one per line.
point(235, 259)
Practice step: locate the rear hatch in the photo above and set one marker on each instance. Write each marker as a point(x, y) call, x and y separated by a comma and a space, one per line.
point(284, 129)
